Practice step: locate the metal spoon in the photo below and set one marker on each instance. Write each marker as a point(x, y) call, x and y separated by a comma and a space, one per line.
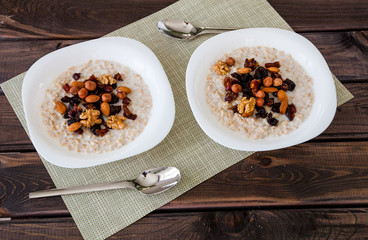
point(152, 181)
point(184, 30)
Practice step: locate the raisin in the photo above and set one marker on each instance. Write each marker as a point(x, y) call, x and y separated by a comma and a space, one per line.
point(107, 88)
point(66, 115)
point(271, 120)
point(118, 77)
point(66, 87)
point(290, 112)
point(114, 109)
point(92, 78)
point(236, 75)
point(276, 107)
point(290, 84)
point(227, 83)
point(284, 87)
point(75, 99)
point(270, 102)
point(230, 96)
point(94, 128)
point(70, 121)
point(128, 114)
point(261, 115)
point(261, 73)
point(101, 132)
point(114, 85)
point(79, 131)
point(246, 79)
point(76, 76)
point(126, 101)
point(250, 63)
point(66, 99)
point(114, 98)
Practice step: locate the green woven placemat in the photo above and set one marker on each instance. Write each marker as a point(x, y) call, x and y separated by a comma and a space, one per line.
point(101, 214)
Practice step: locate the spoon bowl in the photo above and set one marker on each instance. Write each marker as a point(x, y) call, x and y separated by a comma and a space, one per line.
point(151, 181)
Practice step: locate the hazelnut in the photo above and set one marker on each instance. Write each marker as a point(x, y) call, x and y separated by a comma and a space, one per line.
point(83, 93)
point(236, 88)
point(230, 61)
point(124, 89)
point(277, 82)
point(74, 90)
point(260, 94)
point(90, 85)
point(259, 102)
point(121, 95)
point(267, 81)
point(106, 97)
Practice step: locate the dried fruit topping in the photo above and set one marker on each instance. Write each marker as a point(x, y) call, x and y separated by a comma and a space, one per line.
point(126, 101)
point(107, 79)
point(271, 120)
point(116, 122)
point(246, 107)
point(261, 112)
point(276, 107)
point(128, 114)
point(114, 109)
point(114, 98)
point(60, 107)
point(250, 63)
point(230, 61)
point(270, 102)
point(76, 76)
point(66, 99)
point(221, 68)
point(92, 78)
point(74, 126)
point(66, 87)
point(274, 64)
point(227, 83)
point(90, 117)
point(101, 132)
point(122, 95)
point(290, 84)
point(261, 73)
point(290, 112)
point(118, 77)
point(230, 96)
point(234, 108)
point(284, 87)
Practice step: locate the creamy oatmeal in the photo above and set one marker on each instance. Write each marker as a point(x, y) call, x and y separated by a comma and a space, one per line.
point(231, 91)
point(111, 104)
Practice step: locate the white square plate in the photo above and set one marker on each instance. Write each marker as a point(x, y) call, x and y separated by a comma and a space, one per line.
point(127, 52)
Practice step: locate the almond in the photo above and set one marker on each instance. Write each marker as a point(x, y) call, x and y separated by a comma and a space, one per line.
point(92, 98)
point(77, 84)
point(60, 107)
point(74, 126)
point(124, 89)
point(270, 89)
point(284, 105)
point(273, 69)
point(244, 70)
point(281, 95)
point(105, 108)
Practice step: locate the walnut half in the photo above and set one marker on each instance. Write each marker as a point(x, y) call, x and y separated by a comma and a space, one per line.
point(246, 107)
point(90, 118)
point(116, 122)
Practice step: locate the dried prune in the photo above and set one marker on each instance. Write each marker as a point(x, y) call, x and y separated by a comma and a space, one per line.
point(75, 99)
point(271, 120)
point(276, 107)
point(118, 77)
point(284, 87)
point(114, 85)
point(274, 64)
point(290, 112)
point(247, 93)
point(230, 96)
point(76, 76)
point(114, 98)
point(114, 109)
point(227, 83)
point(246, 78)
point(126, 101)
point(290, 84)
point(261, 112)
point(250, 63)
point(66, 87)
point(236, 75)
point(107, 89)
point(101, 132)
point(66, 99)
point(261, 73)
point(128, 114)
point(92, 78)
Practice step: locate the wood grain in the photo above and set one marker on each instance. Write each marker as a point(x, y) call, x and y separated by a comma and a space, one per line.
point(18, 56)
point(310, 174)
point(241, 224)
point(93, 18)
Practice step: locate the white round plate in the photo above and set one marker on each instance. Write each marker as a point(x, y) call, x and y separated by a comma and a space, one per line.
point(125, 51)
point(301, 49)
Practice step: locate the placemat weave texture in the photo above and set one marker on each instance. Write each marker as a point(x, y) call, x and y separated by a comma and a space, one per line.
point(101, 214)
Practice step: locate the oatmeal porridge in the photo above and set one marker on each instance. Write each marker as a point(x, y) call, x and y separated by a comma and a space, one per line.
point(96, 107)
point(259, 92)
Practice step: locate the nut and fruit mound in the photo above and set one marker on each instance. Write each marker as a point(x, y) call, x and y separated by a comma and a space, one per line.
point(262, 87)
point(93, 104)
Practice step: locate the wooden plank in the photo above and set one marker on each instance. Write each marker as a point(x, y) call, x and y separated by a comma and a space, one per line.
point(348, 123)
point(349, 63)
point(310, 174)
point(241, 224)
point(93, 18)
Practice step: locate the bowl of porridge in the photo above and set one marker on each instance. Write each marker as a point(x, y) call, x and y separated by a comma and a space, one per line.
point(260, 89)
point(96, 102)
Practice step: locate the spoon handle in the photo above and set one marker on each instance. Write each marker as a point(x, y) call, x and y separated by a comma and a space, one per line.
point(205, 30)
point(82, 189)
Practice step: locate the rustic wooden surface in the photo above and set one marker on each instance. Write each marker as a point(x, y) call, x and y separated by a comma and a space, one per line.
point(316, 190)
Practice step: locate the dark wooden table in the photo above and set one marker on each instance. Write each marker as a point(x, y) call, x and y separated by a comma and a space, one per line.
point(318, 189)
